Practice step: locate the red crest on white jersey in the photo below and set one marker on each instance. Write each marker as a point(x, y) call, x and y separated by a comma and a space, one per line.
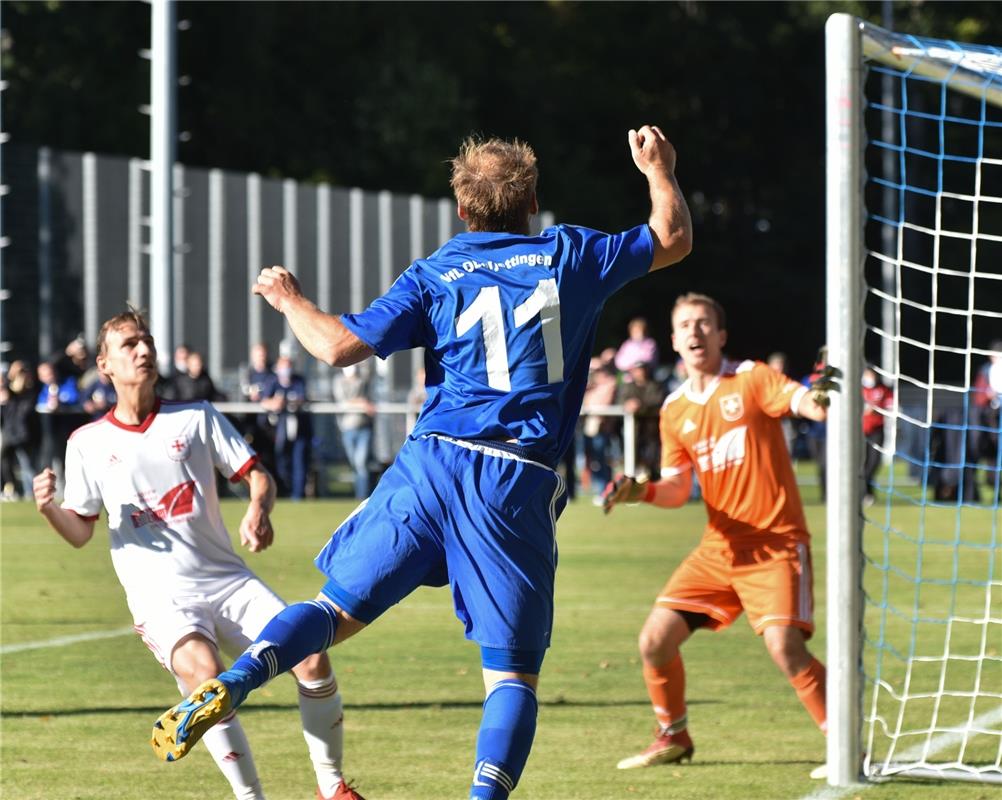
point(178, 448)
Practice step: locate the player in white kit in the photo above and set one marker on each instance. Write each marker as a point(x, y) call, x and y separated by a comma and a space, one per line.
point(152, 466)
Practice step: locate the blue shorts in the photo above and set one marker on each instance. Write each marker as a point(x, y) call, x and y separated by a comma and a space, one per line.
point(481, 520)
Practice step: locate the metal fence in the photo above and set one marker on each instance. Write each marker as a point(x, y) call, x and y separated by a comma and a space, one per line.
point(394, 421)
point(78, 225)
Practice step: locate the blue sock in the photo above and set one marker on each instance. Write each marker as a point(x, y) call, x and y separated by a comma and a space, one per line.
point(298, 631)
point(506, 731)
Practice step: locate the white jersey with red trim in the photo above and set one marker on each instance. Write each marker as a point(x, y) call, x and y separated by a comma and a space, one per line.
point(157, 481)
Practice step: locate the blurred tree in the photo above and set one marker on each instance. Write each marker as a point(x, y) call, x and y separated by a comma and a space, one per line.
point(74, 74)
point(379, 95)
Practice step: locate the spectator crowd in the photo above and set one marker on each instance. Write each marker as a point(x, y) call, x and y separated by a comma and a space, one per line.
point(42, 404)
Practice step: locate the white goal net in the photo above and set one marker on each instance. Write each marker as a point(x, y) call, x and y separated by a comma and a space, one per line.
point(915, 292)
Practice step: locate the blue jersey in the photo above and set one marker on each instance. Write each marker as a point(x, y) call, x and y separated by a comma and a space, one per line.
point(508, 323)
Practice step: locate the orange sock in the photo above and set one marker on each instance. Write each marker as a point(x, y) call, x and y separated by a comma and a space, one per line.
point(666, 688)
point(810, 688)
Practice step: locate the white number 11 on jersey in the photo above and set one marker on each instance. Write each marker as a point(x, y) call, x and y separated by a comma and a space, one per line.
point(486, 308)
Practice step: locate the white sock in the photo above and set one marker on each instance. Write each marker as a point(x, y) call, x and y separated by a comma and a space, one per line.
point(231, 751)
point(321, 711)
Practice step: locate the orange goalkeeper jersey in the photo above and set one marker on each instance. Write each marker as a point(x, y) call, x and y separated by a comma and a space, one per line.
point(731, 436)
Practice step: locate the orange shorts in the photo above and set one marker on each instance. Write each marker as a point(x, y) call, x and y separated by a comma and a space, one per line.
point(772, 582)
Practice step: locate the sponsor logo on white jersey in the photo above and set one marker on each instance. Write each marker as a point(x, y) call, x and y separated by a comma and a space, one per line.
point(177, 502)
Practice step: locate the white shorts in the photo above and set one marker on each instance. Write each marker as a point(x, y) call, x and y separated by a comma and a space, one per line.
point(230, 615)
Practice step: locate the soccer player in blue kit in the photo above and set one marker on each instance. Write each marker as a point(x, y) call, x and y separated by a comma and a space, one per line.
point(508, 322)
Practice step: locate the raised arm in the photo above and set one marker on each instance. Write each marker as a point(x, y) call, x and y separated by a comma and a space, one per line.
point(322, 334)
point(670, 223)
point(74, 529)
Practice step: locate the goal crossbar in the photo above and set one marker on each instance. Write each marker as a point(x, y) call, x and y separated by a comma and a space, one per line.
point(972, 70)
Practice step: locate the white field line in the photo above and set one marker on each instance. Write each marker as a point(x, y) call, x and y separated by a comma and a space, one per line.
point(936, 746)
point(62, 641)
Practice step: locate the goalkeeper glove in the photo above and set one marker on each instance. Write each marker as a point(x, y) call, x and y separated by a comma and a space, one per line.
point(622, 489)
point(824, 380)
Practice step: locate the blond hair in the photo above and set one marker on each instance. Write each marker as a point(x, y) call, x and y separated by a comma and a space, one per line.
point(495, 183)
point(131, 317)
point(697, 299)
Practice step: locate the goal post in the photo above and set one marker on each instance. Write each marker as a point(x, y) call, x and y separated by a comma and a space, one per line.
point(844, 293)
point(914, 289)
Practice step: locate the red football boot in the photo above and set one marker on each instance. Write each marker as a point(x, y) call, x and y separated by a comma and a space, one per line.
point(343, 792)
point(667, 748)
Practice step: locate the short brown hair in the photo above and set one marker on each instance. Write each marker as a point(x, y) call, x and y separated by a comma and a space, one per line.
point(697, 299)
point(131, 317)
point(495, 183)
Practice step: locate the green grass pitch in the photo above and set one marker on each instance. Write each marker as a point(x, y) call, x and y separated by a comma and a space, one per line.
point(77, 717)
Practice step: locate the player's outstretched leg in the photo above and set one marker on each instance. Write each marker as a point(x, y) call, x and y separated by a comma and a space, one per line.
point(178, 729)
point(296, 632)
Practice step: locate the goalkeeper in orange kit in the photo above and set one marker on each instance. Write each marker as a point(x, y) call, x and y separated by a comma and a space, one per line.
point(723, 424)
